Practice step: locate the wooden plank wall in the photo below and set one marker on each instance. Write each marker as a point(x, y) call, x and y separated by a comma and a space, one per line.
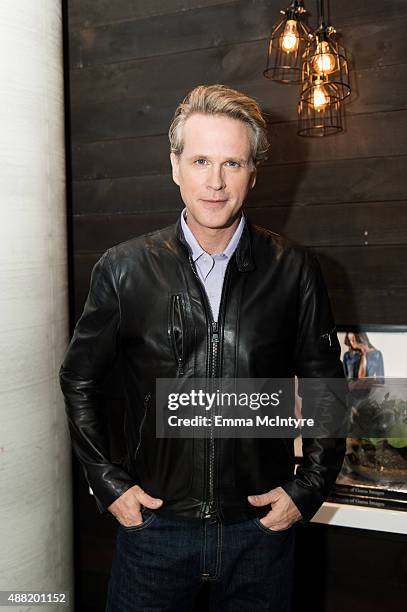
point(130, 63)
point(344, 196)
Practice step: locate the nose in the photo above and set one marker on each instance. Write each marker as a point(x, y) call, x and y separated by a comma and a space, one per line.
point(216, 179)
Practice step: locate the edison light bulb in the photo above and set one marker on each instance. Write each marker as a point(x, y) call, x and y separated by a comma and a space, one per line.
point(324, 62)
point(290, 38)
point(320, 99)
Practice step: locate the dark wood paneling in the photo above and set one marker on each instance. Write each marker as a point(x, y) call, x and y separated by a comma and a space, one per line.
point(86, 13)
point(360, 11)
point(82, 269)
point(142, 194)
point(199, 29)
point(371, 306)
point(149, 155)
point(372, 224)
point(95, 233)
point(124, 157)
point(139, 97)
point(355, 224)
point(153, 82)
point(373, 134)
point(331, 182)
point(217, 26)
point(368, 267)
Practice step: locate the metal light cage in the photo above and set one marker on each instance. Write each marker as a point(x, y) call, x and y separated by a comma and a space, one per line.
point(320, 110)
point(327, 59)
point(284, 61)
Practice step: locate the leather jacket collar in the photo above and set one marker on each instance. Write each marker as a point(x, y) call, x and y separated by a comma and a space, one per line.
point(243, 252)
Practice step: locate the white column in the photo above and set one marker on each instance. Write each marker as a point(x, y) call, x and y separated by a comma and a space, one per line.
point(35, 468)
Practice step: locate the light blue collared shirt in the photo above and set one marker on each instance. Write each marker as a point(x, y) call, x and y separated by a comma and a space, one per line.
point(211, 268)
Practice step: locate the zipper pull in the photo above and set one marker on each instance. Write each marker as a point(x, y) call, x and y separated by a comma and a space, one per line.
point(215, 333)
point(208, 512)
point(180, 370)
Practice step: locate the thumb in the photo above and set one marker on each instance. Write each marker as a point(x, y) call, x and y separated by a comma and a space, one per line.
point(147, 500)
point(260, 500)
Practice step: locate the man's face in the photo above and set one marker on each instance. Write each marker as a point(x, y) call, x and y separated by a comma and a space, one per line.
point(214, 171)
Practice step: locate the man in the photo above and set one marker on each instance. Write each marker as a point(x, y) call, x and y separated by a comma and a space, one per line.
point(211, 296)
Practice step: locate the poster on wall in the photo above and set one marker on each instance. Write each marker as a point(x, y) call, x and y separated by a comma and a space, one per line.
point(374, 471)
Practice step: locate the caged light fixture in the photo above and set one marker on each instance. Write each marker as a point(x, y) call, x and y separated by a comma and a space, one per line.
point(325, 82)
point(320, 110)
point(317, 61)
point(287, 43)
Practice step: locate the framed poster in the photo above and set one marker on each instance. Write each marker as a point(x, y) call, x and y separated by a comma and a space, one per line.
point(374, 471)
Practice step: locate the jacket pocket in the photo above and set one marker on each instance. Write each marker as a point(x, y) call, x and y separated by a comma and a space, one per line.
point(271, 532)
point(147, 520)
point(177, 329)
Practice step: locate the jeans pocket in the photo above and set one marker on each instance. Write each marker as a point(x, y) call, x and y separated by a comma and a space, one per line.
point(272, 532)
point(148, 518)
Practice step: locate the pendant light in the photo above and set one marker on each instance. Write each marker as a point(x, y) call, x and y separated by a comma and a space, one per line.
point(325, 82)
point(320, 110)
point(326, 58)
point(286, 46)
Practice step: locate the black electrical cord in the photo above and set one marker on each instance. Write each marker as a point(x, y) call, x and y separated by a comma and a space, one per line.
point(320, 12)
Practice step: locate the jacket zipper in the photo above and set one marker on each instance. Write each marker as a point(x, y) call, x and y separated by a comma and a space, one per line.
point(176, 302)
point(209, 509)
point(215, 352)
point(146, 402)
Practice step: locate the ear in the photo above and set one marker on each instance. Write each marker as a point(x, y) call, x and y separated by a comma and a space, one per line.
point(175, 167)
point(253, 179)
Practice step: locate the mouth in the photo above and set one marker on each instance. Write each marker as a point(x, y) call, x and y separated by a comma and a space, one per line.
point(214, 201)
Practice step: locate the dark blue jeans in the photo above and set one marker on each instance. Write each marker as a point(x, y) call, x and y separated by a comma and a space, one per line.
point(162, 564)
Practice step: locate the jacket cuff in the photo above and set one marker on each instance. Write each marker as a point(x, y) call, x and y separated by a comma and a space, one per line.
point(307, 499)
point(107, 483)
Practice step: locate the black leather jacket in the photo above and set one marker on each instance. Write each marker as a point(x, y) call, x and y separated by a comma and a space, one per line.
point(147, 306)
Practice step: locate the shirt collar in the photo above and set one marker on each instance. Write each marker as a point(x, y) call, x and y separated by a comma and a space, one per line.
point(197, 250)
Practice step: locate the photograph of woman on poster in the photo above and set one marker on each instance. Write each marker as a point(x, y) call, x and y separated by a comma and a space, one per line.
point(362, 359)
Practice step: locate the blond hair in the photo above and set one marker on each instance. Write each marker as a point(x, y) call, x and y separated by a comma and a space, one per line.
point(221, 100)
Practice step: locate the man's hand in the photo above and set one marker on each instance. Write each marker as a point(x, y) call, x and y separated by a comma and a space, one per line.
point(283, 513)
point(127, 507)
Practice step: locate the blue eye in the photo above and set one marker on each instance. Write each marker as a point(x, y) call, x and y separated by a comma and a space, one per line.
point(236, 164)
point(200, 160)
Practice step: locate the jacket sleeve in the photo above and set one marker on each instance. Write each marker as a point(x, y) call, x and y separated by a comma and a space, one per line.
point(90, 355)
point(318, 356)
